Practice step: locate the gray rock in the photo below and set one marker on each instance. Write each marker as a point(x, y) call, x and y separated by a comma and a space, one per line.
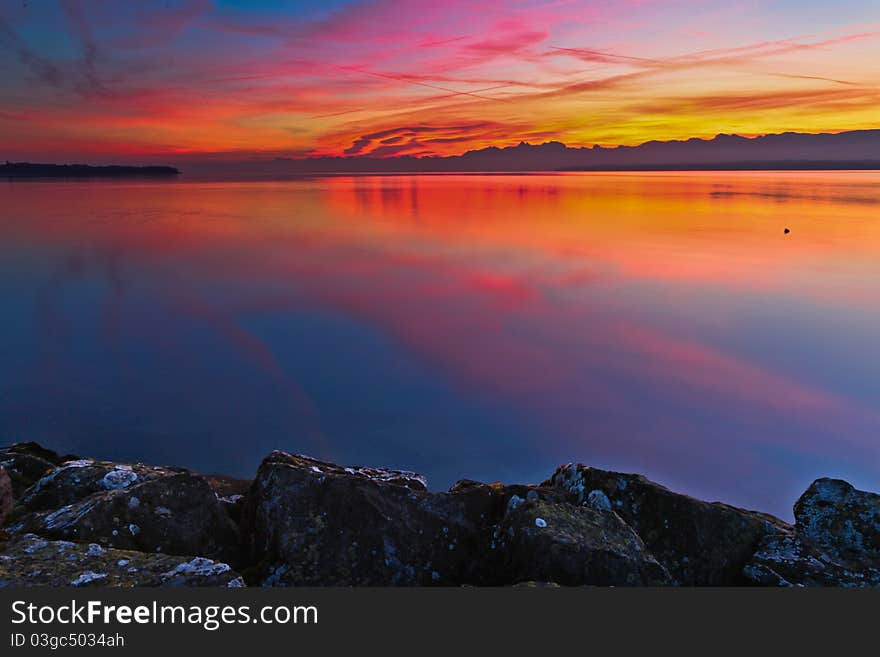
point(699, 543)
point(599, 500)
point(840, 520)
point(132, 507)
point(787, 560)
point(835, 542)
point(514, 502)
point(75, 480)
point(307, 522)
point(33, 561)
point(314, 523)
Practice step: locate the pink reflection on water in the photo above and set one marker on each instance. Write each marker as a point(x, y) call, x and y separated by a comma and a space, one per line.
point(614, 313)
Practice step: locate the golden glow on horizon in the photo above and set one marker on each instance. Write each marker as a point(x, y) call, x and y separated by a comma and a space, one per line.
point(411, 77)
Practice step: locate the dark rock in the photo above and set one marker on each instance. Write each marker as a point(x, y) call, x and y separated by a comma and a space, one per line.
point(467, 484)
point(6, 495)
point(786, 560)
point(228, 487)
point(231, 493)
point(312, 523)
point(27, 462)
point(573, 545)
point(840, 520)
point(307, 522)
point(315, 523)
point(411, 480)
point(699, 543)
point(33, 561)
point(134, 507)
point(31, 448)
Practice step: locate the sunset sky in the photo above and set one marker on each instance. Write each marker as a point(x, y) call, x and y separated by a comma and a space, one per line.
point(101, 80)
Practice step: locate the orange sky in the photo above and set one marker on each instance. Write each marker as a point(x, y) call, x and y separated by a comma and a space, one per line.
point(97, 80)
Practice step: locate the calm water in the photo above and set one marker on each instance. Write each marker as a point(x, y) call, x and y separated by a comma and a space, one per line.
point(488, 327)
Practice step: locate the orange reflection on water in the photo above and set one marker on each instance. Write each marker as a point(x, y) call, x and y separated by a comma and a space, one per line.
point(661, 322)
point(702, 226)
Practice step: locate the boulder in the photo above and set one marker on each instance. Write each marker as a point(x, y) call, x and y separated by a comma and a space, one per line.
point(785, 559)
point(27, 462)
point(572, 545)
point(840, 520)
point(699, 543)
point(75, 480)
point(302, 521)
point(835, 541)
point(315, 523)
point(6, 495)
point(132, 507)
point(33, 561)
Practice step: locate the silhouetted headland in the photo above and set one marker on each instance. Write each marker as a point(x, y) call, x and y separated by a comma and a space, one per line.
point(857, 149)
point(28, 170)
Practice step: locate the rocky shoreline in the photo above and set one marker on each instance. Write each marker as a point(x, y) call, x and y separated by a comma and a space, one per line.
point(68, 521)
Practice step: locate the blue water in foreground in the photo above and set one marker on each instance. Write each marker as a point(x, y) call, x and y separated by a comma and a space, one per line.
point(488, 327)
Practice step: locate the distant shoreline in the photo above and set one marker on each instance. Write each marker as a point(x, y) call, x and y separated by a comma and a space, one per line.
point(855, 150)
point(29, 170)
point(790, 165)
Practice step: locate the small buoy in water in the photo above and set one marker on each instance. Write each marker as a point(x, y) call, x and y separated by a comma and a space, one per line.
point(787, 231)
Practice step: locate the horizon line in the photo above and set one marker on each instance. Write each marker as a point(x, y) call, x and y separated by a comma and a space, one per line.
point(272, 155)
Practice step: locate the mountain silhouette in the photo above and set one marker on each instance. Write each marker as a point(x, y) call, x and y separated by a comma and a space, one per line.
point(857, 149)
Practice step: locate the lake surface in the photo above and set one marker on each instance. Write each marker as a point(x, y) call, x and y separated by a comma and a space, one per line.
point(489, 327)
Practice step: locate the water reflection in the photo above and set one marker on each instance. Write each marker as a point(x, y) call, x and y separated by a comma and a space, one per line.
point(480, 326)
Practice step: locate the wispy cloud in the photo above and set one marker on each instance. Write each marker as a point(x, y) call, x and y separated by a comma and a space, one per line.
point(205, 78)
point(406, 138)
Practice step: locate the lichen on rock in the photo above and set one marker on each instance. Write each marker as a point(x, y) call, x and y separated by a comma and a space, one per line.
point(352, 526)
point(83, 522)
point(843, 521)
point(573, 545)
point(133, 507)
point(835, 541)
point(700, 543)
point(32, 561)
